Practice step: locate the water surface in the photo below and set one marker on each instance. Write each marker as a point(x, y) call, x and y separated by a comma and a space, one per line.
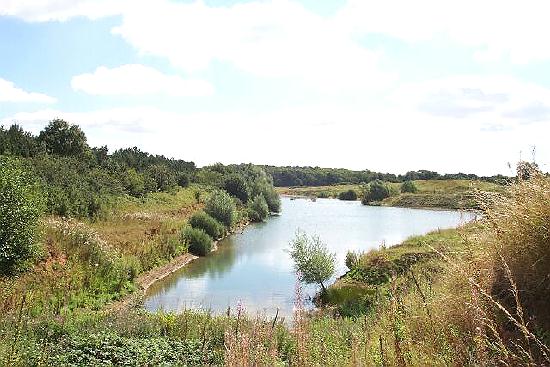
point(253, 268)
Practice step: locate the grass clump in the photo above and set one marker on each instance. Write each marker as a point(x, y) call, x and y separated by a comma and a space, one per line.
point(211, 226)
point(198, 241)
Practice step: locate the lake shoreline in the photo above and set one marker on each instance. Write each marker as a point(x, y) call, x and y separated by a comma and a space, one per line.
point(150, 277)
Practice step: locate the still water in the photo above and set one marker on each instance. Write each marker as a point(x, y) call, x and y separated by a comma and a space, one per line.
point(253, 268)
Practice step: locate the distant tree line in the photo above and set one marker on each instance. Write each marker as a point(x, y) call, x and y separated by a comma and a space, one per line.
point(77, 180)
point(317, 176)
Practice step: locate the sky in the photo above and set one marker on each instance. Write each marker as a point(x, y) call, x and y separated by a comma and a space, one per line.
point(392, 86)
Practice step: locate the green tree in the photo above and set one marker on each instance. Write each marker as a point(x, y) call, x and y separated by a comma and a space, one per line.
point(199, 242)
point(273, 200)
point(20, 207)
point(258, 209)
point(64, 139)
point(409, 186)
point(162, 176)
point(350, 195)
point(236, 186)
point(375, 191)
point(220, 206)
point(312, 260)
point(16, 141)
point(211, 226)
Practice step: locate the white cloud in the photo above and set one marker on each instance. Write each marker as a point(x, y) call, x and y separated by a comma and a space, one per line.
point(492, 102)
point(257, 30)
point(276, 38)
point(10, 93)
point(135, 79)
point(514, 29)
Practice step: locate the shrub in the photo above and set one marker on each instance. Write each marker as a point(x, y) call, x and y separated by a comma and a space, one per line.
point(162, 176)
point(236, 186)
point(20, 207)
point(198, 241)
point(348, 195)
point(220, 206)
point(409, 186)
point(258, 209)
point(62, 138)
point(183, 180)
point(312, 261)
point(272, 199)
point(352, 259)
point(376, 191)
point(211, 226)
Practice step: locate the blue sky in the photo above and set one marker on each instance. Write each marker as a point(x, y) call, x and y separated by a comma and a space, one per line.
point(389, 86)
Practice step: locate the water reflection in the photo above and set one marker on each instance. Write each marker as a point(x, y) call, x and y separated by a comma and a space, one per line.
point(253, 268)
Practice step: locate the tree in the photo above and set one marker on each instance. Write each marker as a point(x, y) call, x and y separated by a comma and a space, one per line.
point(348, 195)
point(220, 206)
point(20, 207)
point(236, 186)
point(409, 186)
point(163, 177)
point(64, 139)
point(258, 210)
point(312, 260)
point(16, 141)
point(525, 170)
point(376, 191)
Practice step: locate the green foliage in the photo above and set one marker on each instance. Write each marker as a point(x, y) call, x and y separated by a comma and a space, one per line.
point(64, 139)
point(72, 188)
point(272, 199)
point(312, 260)
point(258, 209)
point(133, 182)
point(409, 187)
point(352, 259)
point(163, 178)
point(20, 208)
point(236, 186)
point(109, 348)
point(221, 207)
point(211, 226)
point(348, 195)
point(17, 142)
point(375, 191)
point(198, 241)
point(183, 180)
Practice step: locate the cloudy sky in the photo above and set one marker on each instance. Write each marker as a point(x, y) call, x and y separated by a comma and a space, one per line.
point(391, 85)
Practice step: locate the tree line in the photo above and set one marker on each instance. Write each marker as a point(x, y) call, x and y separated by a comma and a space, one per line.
point(317, 176)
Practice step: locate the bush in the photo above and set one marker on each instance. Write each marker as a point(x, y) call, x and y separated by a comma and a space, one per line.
point(221, 207)
point(258, 209)
point(348, 195)
point(376, 191)
point(183, 180)
point(198, 241)
point(352, 259)
point(211, 226)
point(409, 186)
point(312, 260)
point(272, 199)
point(236, 186)
point(162, 176)
point(20, 207)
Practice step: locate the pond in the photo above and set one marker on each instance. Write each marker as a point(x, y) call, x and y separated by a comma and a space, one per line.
point(253, 269)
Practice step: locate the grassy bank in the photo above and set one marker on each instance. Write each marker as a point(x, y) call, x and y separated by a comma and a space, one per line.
point(453, 194)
